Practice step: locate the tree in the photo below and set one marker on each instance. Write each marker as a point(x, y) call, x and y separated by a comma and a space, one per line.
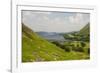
point(83, 44)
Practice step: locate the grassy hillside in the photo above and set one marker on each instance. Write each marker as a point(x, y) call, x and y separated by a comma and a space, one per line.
point(85, 30)
point(36, 48)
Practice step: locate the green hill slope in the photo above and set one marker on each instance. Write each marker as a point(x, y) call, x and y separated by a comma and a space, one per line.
point(35, 48)
point(85, 30)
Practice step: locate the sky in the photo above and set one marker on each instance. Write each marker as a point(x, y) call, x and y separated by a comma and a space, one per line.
point(55, 21)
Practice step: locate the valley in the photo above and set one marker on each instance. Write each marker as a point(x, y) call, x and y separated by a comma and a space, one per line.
point(53, 46)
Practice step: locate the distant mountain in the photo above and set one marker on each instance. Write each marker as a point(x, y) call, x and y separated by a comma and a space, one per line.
point(51, 36)
point(35, 48)
point(85, 30)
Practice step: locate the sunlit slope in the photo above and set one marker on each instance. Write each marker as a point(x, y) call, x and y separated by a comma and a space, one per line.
point(35, 48)
point(85, 30)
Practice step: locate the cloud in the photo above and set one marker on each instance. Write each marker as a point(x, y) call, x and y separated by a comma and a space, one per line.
point(54, 21)
point(78, 18)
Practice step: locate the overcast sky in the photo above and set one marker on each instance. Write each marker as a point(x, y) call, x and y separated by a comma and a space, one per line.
point(55, 21)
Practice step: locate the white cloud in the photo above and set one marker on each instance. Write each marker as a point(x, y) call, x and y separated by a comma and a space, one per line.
point(77, 19)
point(48, 21)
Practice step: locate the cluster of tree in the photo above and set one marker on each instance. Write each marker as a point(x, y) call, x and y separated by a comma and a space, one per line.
point(68, 47)
point(77, 37)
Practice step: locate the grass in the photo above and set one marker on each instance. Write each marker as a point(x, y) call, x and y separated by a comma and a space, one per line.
point(36, 49)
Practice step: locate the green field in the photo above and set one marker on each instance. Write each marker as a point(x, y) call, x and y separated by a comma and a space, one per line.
point(37, 49)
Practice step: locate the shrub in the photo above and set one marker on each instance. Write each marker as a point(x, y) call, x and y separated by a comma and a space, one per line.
point(78, 45)
point(83, 44)
point(67, 48)
point(78, 49)
point(88, 50)
point(56, 43)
